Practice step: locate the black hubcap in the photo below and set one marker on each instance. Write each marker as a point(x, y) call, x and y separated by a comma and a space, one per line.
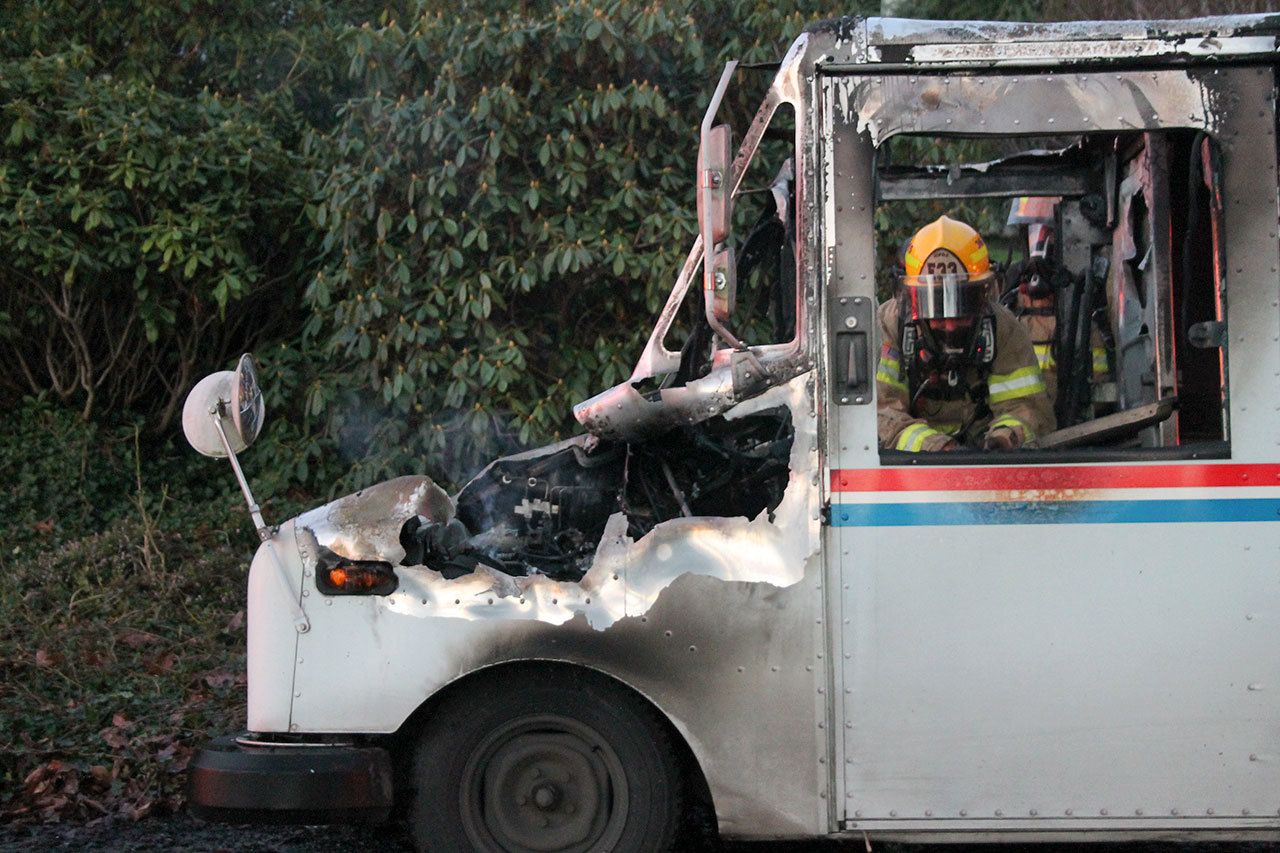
point(544, 783)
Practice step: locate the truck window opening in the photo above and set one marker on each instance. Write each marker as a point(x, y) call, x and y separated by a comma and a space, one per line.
point(1129, 333)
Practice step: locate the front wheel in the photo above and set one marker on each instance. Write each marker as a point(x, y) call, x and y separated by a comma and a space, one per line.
point(546, 760)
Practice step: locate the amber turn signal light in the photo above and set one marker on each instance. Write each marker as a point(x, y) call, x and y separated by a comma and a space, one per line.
point(357, 578)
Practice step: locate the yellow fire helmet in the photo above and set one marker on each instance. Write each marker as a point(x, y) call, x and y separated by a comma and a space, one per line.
point(947, 272)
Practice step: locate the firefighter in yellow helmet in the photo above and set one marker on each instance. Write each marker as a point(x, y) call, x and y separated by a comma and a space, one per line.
point(956, 369)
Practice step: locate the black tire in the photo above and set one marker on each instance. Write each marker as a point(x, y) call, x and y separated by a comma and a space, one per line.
point(545, 759)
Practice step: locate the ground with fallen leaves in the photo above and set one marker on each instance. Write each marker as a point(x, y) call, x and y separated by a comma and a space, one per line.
point(184, 833)
point(181, 832)
point(119, 653)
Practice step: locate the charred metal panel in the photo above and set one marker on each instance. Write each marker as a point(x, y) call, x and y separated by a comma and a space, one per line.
point(618, 522)
point(710, 616)
point(1159, 279)
point(848, 159)
point(1251, 284)
point(1080, 51)
point(367, 525)
point(623, 413)
point(1081, 235)
point(1212, 168)
point(922, 43)
point(1034, 103)
point(656, 359)
point(1139, 292)
point(1049, 175)
point(883, 32)
point(628, 413)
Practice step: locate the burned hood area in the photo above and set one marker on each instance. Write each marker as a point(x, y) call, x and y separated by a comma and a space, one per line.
point(544, 512)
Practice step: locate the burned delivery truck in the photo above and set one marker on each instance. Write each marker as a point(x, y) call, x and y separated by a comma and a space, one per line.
point(728, 604)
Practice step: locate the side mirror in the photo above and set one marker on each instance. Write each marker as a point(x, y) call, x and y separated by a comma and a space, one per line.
point(247, 408)
point(227, 403)
point(715, 208)
point(715, 205)
point(221, 417)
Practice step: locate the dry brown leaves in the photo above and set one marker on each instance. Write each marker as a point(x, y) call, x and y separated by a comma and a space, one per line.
point(60, 790)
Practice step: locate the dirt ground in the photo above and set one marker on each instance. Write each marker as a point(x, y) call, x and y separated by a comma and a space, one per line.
point(181, 832)
point(184, 833)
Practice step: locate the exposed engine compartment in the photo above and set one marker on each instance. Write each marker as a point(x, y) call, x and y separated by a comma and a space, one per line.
point(544, 512)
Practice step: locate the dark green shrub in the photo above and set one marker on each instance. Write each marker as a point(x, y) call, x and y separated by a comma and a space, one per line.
point(66, 479)
point(152, 183)
point(506, 211)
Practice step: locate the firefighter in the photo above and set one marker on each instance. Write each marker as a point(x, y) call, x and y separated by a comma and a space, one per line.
point(956, 369)
point(1032, 292)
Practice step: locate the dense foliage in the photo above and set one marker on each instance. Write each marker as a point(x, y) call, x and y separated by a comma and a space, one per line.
point(506, 212)
point(131, 221)
point(439, 226)
point(152, 181)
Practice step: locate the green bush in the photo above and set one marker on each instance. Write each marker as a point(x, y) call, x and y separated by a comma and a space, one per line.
point(69, 478)
point(131, 221)
point(280, 49)
point(152, 183)
point(506, 211)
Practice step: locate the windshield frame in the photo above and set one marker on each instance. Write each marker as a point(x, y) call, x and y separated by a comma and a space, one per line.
point(656, 359)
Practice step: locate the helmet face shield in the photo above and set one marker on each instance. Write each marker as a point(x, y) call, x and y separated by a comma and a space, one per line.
point(951, 296)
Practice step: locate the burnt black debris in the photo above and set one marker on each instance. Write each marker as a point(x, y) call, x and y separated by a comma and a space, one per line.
point(443, 544)
point(545, 512)
point(717, 468)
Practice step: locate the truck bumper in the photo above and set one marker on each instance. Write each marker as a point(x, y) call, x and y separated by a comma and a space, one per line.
point(240, 783)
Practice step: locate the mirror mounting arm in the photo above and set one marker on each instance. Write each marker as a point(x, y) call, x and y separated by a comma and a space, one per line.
point(300, 622)
point(709, 119)
point(255, 512)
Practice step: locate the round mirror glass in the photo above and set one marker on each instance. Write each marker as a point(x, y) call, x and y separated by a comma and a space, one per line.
point(247, 408)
